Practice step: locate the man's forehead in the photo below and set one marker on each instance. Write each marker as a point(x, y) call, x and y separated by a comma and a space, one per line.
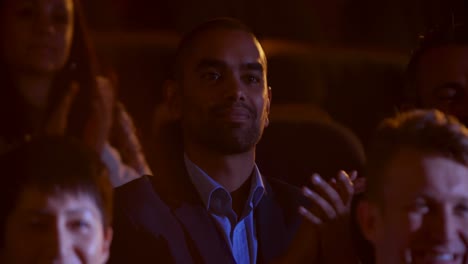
point(414, 172)
point(226, 45)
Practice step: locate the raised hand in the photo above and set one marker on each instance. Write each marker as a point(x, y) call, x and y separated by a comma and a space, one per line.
point(329, 200)
point(328, 227)
point(124, 137)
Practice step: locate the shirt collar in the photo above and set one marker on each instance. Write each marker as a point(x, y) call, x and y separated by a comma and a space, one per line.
point(257, 188)
point(206, 186)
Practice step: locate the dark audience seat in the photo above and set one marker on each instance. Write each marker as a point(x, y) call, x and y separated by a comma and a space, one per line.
point(292, 150)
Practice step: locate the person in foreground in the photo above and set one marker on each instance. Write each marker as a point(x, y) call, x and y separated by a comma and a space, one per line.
point(210, 202)
point(55, 206)
point(416, 206)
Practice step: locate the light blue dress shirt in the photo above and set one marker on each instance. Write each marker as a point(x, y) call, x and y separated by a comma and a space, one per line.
point(239, 232)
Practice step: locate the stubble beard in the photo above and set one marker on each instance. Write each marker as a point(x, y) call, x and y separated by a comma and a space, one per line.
point(226, 138)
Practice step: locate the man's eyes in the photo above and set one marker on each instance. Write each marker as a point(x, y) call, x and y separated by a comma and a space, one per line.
point(418, 207)
point(450, 93)
point(447, 93)
point(43, 224)
point(252, 79)
point(461, 210)
point(211, 76)
point(217, 76)
point(79, 225)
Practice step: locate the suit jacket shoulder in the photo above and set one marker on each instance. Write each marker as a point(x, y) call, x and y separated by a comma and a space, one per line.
point(151, 211)
point(145, 231)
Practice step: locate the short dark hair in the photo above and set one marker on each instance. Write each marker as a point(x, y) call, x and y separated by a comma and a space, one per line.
point(430, 131)
point(54, 166)
point(189, 38)
point(437, 37)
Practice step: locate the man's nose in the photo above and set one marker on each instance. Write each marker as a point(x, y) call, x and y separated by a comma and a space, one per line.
point(234, 89)
point(59, 244)
point(442, 226)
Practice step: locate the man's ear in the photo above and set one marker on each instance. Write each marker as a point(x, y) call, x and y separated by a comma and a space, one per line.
point(173, 99)
point(267, 106)
point(368, 217)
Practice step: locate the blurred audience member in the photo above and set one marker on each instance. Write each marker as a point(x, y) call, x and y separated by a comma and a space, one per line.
point(416, 205)
point(55, 204)
point(51, 84)
point(437, 74)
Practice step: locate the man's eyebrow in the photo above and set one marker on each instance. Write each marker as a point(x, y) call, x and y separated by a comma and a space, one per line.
point(210, 63)
point(255, 66)
point(214, 63)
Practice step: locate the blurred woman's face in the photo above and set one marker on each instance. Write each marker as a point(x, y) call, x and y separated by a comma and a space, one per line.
point(61, 228)
point(36, 34)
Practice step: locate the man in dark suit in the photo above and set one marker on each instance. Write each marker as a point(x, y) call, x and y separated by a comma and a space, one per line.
point(209, 203)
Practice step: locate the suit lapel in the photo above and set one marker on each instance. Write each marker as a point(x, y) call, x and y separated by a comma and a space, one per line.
point(200, 229)
point(270, 227)
point(152, 214)
point(277, 220)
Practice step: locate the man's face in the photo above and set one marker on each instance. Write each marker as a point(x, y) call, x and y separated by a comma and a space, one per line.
point(225, 100)
point(46, 228)
point(423, 217)
point(442, 80)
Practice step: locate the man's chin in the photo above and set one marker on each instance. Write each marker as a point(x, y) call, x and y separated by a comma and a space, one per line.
point(233, 148)
point(231, 145)
point(226, 139)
